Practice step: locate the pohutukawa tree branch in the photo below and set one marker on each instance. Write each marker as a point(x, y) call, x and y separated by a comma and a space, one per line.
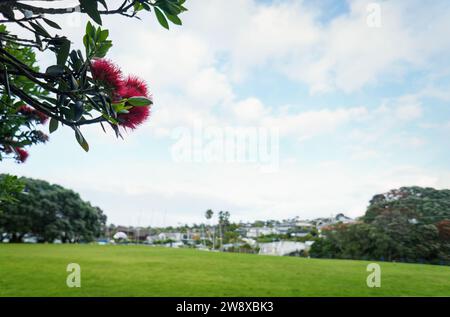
point(124, 8)
point(81, 88)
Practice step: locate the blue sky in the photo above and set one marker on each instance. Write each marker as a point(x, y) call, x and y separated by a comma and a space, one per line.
point(356, 110)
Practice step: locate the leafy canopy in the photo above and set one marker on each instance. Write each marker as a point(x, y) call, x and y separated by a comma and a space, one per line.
point(66, 92)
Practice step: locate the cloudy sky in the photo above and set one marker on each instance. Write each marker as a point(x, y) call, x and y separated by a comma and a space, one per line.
point(354, 96)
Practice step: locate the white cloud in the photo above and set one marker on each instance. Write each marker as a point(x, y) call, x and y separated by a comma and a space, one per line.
point(409, 112)
point(344, 54)
point(209, 88)
point(250, 111)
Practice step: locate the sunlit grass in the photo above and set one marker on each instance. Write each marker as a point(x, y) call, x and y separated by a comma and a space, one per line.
point(40, 270)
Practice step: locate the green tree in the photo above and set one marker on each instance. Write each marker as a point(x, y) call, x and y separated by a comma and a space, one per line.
point(401, 225)
point(224, 222)
point(51, 212)
point(10, 188)
point(427, 205)
point(208, 214)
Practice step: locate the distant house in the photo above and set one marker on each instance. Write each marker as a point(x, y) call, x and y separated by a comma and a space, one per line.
point(255, 232)
point(249, 241)
point(120, 235)
point(133, 233)
point(303, 224)
point(281, 248)
point(176, 244)
point(174, 236)
point(299, 234)
point(343, 218)
point(326, 223)
point(281, 229)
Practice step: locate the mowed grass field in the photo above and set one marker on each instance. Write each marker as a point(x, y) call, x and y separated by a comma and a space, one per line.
point(40, 270)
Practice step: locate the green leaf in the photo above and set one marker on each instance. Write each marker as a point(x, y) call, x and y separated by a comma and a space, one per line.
point(81, 140)
point(73, 83)
point(52, 100)
point(91, 8)
point(86, 45)
point(39, 29)
point(55, 70)
point(8, 12)
point(139, 101)
point(169, 7)
point(68, 113)
point(63, 52)
point(51, 23)
point(102, 49)
point(110, 119)
point(103, 35)
point(90, 30)
point(174, 19)
point(95, 41)
point(117, 107)
point(76, 61)
point(53, 125)
point(161, 18)
point(103, 2)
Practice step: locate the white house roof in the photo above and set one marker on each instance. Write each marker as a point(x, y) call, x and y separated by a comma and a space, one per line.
point(120, 235)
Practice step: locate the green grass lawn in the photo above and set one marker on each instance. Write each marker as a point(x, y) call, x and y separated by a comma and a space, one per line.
point(40, 270)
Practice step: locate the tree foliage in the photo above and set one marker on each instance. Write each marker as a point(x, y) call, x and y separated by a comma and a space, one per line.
point(10, 188)
point(406, 224)
point(18, 122)
point(68, 92)
point(209, 213)
point(50, 212)
point(427, 204)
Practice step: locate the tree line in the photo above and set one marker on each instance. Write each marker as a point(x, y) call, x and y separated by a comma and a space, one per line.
point(410, 224)
point(47, 212)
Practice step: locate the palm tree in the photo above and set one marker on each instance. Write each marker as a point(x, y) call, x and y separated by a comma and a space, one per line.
point(208, 215)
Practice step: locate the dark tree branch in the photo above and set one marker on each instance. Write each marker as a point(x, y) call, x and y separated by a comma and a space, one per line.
point(39, 10)
point(45, 109)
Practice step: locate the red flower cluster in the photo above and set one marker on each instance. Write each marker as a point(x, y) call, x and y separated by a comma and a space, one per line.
point(134, 87)
point(22, 155)
point(33, 114)
point(109, 74)
point(131, 86)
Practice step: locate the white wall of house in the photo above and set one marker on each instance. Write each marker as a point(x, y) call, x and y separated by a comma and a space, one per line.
point(281, 247)
point(255, 232)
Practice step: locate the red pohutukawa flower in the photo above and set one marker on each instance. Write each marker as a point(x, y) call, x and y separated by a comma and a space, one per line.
point(135, 117)
point(122, 88)
point(43, 118)
point(108, 73)
point(22, 155)
point(134, 87)
point(33, 114)
point(25, 110)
